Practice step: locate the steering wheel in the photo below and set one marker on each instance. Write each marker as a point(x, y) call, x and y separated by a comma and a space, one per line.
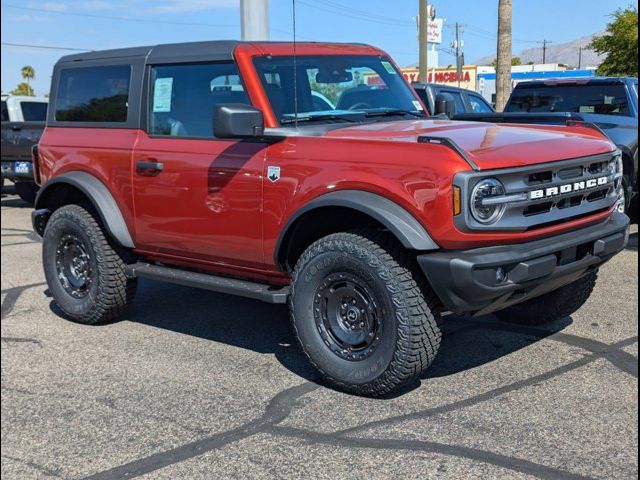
point(360, 106)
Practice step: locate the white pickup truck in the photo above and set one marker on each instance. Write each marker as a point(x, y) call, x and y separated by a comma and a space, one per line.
point(23, 120)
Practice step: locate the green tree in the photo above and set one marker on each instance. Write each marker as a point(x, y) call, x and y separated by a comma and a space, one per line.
point(515, 61)
point(23, 88)
point(28, 73)
point(619, 44)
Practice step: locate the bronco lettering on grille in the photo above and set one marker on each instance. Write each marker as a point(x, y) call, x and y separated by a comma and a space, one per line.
point(568, 188)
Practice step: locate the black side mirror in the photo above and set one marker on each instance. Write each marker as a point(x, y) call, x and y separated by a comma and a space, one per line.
point(237, 120)
point(445, 105)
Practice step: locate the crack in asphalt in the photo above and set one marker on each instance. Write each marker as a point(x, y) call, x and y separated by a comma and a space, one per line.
point(20, 340)
point(12, 296)
point(46, 471)
point(619, 358)
point(484, 456)
point(276, 411)
point(16, 244)
point(280, 407)
point(282, 404)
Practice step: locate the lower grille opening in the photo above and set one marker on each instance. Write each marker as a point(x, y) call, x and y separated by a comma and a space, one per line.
point(597, 196)
point(538, 209)
point(570, 202)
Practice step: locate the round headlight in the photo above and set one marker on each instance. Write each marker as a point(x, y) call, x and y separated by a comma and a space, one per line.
point(486, 189)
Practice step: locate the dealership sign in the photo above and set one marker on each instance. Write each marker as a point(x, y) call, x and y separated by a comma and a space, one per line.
point(446, 76)
point(466, 79)
point(434, 31)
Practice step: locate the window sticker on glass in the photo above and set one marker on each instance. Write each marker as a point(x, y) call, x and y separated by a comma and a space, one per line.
point(418, 105)
point(162, 95)
point(389, 68)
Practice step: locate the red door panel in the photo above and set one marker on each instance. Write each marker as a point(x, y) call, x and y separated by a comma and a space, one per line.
point(206, 201)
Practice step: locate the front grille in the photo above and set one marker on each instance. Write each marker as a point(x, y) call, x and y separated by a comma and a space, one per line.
point(548, 194)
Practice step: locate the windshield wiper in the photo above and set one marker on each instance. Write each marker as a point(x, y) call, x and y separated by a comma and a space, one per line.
point(393, 112)
point(351, 118)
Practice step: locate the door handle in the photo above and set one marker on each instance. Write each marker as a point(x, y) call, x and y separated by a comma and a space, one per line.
point(149, 168)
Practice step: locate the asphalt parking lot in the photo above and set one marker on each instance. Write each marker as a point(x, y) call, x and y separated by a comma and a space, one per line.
point(194, 385)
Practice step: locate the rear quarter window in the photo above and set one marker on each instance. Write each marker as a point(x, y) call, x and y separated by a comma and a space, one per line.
point(93, 94)
point(34, 111)
point(5, 112)
point(603, 99)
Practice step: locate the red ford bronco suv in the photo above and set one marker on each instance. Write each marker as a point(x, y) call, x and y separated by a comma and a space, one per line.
point(310, 174)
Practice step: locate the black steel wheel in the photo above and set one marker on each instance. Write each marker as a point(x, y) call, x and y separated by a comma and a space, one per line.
point(73, 265)
point(84, 269)
point(348, 316)
point(361, 315)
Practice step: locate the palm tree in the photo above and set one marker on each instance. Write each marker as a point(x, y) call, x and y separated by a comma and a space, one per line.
point(503, 72)
point(28, 73)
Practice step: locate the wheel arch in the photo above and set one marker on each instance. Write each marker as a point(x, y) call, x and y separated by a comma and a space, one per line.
point(70, 187)
point(354, 209)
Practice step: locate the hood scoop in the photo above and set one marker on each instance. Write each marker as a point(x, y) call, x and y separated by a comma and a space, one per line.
point(447, 142)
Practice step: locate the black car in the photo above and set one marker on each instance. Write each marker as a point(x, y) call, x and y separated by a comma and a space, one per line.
point(457, 100)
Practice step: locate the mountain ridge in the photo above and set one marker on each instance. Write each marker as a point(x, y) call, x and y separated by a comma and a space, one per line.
point(564, 53)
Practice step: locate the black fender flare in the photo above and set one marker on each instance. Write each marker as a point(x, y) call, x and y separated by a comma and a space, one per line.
point(407, 229)
point(101, 198)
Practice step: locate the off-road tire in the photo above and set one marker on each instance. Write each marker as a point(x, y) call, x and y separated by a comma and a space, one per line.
point(410, 335)
point(110, 290)
point(27, 191)
point(555, 305)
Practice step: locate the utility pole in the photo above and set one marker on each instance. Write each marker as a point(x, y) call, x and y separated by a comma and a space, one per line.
point(458, 69)
point(503, 70)
point(544, 50)
point(254, 16)
point(423, 23)
point(580, 58)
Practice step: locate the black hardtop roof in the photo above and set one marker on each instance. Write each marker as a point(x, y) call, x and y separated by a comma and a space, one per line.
point(212, 50)
point(215, 50)
point(552, 82)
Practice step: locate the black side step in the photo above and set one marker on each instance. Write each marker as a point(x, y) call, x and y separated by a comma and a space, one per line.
point(241, 288)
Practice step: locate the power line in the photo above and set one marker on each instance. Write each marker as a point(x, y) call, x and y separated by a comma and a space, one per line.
point(364, 13)
point(358, 16)
point(109, 17)
point(26, 45)
point(124, 19)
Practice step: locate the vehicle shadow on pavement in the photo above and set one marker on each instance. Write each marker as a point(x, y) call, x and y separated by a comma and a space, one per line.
point(633, 242)
point(467, 342)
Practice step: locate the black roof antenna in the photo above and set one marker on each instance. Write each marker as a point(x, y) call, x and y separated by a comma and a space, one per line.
point(295, 68)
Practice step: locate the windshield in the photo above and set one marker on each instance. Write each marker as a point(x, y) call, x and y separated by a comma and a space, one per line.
point(336, 88)
point(597, 98)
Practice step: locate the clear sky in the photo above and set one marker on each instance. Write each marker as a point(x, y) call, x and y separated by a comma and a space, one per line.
point(389, 24)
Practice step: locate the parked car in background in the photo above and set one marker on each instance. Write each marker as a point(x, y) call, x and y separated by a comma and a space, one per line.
point(461, 99)
point(608, 104)
point(198, 164)
point(23, 120)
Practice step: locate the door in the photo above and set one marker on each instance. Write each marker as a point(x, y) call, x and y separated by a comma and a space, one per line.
point(197, 197)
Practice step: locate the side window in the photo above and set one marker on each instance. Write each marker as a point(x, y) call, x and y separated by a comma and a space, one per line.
point(478, 105)
point(5, 112)
point(183, 96)
point(93, 94)
point(457, 97)
point(34, 111)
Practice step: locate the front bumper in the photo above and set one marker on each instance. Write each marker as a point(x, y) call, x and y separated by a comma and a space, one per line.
point(17, 171)
point(466, 281)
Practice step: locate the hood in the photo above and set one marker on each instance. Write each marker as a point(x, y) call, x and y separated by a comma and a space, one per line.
point(490, 145)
